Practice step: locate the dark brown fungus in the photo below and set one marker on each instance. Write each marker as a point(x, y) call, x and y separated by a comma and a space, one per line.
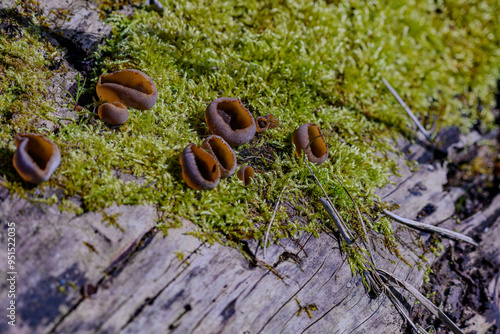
point(199, 169)
point(113, 113)
point(308, 138)
point(246, 174)
point(261, 124)
point(129, 87)
point(223, 154)
point(228, 118)
point(36, 157)
point(266, 122)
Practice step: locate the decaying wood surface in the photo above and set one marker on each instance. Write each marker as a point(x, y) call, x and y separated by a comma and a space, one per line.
point(82, 274)
point(143, 283)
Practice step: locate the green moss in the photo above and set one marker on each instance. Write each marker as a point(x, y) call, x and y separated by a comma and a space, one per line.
point(301, 61)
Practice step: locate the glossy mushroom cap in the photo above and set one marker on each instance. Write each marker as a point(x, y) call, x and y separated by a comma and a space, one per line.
point(228, 118)
point(223, 154)
point(246, 174)
point(199, 169)
point(129, 87)
point(308, 138)
point(113, 113)
point(36, 157)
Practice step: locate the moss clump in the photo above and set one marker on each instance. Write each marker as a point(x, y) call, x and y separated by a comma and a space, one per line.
point(302, 62)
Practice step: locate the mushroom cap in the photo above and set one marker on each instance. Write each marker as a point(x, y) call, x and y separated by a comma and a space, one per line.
point(227, 117)
point(114, 113)
point(261, 124)
point(36, 157)
point(308, 138)
point(246, 174)
point(199, 169)
point(130, 87)
point(222, 153)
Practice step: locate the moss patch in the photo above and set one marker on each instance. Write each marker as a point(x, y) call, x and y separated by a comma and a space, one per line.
point(301, 61)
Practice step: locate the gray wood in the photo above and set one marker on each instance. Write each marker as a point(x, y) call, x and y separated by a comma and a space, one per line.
point(213, 289)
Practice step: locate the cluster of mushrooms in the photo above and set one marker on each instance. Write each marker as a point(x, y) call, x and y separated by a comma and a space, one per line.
point(122, 89)
point(231, 124)
point(36, 157)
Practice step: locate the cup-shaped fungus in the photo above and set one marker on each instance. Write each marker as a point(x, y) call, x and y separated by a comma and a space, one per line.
point(246, 174)
point(228, 118)
point(199, 168)
point(114, 113)
point(261, 124)
point(129, 87)
point(223, 154)
point(36, 157)
point(308, 138)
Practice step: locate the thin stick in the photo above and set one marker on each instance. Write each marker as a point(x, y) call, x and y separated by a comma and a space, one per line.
point(432, 228)
point(341, 223)
point(407, 109)
point(423, 300)
point(367, 243)
point(271, 222)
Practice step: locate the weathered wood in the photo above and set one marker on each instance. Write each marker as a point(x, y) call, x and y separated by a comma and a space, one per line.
point(213, 289)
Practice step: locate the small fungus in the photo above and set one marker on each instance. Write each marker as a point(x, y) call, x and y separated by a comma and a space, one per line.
point(261, 124)
point(114, 113)
point(223, 154)
point(36, 157)
point(129, 87)
point(308, 138)
point(266, 122)
point(228, 118)
point(199, 168)
point(246, 174)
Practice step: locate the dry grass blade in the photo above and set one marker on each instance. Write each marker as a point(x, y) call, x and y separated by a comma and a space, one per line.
point(432, 228)
point(407, 109)
point(422, 299)
point(346, 234)
point(367, 237)
point(271, 222)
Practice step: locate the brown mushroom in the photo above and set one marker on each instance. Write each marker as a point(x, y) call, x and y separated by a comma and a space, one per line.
point(263, 123)
point(228, 118)
point(129, 87)
point(199, 169)
point(223, 154)
point(308, 138)
point(246, 174)
point(114, 113)
point(36, 157)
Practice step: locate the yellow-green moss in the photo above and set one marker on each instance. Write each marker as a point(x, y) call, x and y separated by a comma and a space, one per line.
point(300, 60)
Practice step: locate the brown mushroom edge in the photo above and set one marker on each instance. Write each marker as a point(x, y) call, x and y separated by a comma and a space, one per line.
point(222, 153)
point(227, 117)
point(36, 157)
point(199, 168)
point(308, 138)
point(114, 113)
point(246, 174)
